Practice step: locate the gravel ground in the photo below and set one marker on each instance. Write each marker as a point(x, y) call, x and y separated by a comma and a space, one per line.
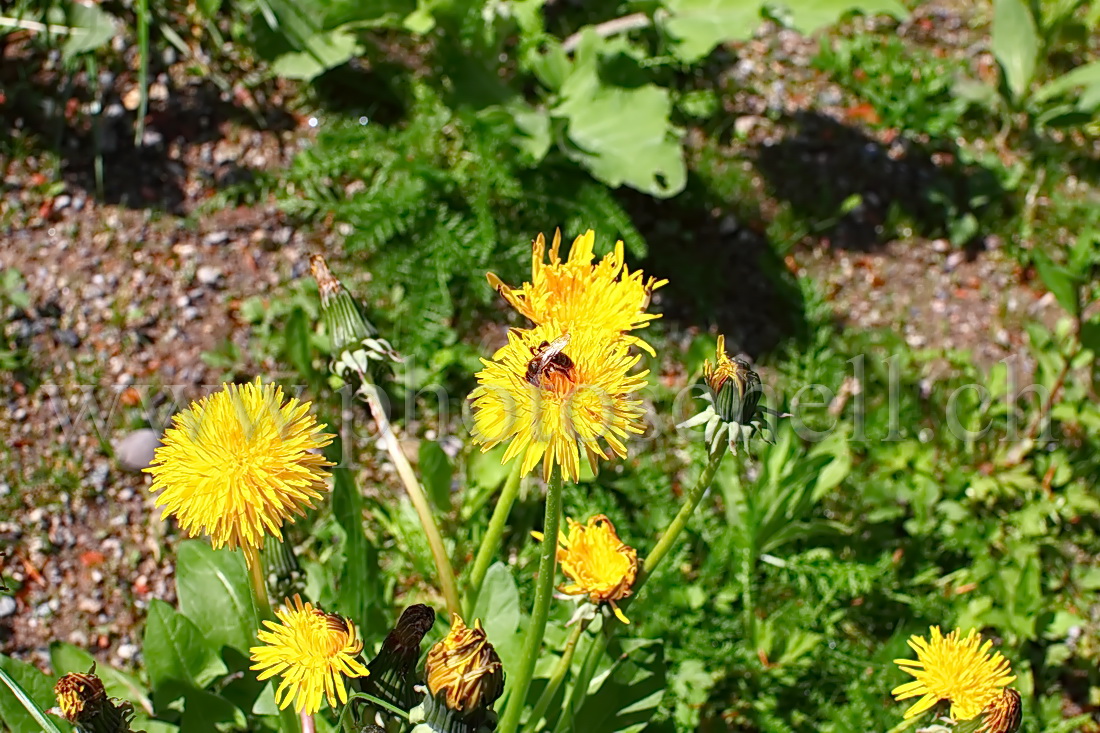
point(126, 296)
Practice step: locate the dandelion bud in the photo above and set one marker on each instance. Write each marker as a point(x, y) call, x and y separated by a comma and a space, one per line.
point(82, 700)
point(392, 676)
point(734, 385)
point(355, 341)
point(464, 678)
point(1003, 715)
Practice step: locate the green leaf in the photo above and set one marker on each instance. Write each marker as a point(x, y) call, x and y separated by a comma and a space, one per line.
point(1058, 280)
point(210, 8)
point(624, 698)
point(808, 16)
point(206, 711)
point(67, 658)
point(700, 25)
point(499, 610)
point(90, 28)
point(299, 350)
point(1083, 76)
point(621, 135)
point(178, 656)
point(215, 594)
point(323, 51)
point(360, 581)
point(1015, 44)
point(436, 472)
point(37, 691)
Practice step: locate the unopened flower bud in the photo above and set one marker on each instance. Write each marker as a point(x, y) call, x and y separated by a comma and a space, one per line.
point(464, 679)
point(735, 386)
point(1003, 715)
point(355, 341)
point(82, 700)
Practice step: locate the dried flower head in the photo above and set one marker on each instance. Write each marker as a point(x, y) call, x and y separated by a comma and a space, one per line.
point(599, 564)
point(960, 670)
point(312, 651)
point(79, 695)
point(549, 393)
point(1003, 715)
point(580, 292)
point(239, 463)
point(463, 670)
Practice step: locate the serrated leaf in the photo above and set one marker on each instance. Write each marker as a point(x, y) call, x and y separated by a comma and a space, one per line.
point(178, 657)
point(808, 16)
point(623, 136)
point(67, 658)
point(436, 472)
point(700, 25)
point(1015, 44)
point(214, 593)
point(89, 28)
point(323, 51)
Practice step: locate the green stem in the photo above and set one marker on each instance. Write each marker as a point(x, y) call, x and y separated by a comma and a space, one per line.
point(664, 545)
point(443, 567)
point(490, 543)
point(544, 591)
point(287, 717)
point(676, 527)
point(579, 691)
point(556, 677)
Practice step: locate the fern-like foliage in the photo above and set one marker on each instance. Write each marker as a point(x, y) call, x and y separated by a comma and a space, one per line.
point(433, 205)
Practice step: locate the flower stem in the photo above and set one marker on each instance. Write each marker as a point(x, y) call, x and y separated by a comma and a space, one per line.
point(579, 691)
point(443, 567)
point(308, 724)
point(490, 543)
point(676, 527)
point(556, 677)
point(288, 719)
point(544, 591)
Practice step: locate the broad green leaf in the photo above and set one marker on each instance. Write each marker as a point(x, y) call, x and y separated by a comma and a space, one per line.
point(1058, 280)
point(299, 350)
point(1015, 44)
point(700, 25)
point(67, 658)
point(808, 16)
point(89, 28)
point(436, 472)
point(323, 51)
point(178, 657)
point(37, 686)
point(207, 712)
point(499, 610)
point(623, 136)
point(214, 593)
point(624, 698)
point(147, 724)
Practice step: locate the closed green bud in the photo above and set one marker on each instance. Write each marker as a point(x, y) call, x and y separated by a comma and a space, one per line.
point(734, 386)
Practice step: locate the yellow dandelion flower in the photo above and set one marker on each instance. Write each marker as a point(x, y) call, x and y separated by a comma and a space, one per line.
point(79, 695)
point(312, 651)
point(463, 670)
point(604, 296)
point(548, 393)
point(600, 564)
point(950, 668)
point(239, 463)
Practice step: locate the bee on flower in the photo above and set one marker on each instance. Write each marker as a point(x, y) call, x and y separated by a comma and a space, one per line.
point(312, 651)
point(549, 394)
point(239, 463)
point(962, 671)
point(598, 564)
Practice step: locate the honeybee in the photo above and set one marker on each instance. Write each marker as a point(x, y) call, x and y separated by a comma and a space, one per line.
point(549, 359)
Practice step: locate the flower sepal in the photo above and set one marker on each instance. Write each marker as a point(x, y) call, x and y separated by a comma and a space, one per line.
point(433, 716)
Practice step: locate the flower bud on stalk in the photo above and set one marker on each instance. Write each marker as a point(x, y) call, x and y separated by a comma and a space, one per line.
point(393, 670)
point(82, 700)
point(355, 341)
point(464, 679)
point(734, 410)
point(1003, 715)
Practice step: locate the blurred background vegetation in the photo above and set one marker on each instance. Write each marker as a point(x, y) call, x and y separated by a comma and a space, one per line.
point(755, 154)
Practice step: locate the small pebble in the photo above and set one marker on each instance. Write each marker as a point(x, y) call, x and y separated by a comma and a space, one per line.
point(208, 275)
point(135, 452)
point(8, 606)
